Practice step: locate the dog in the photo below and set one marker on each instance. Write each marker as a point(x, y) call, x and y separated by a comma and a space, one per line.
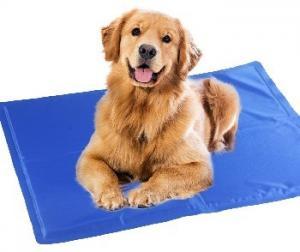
point(152, 125)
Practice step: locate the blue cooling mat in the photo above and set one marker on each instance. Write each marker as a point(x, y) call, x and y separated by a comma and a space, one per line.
point(45, 137)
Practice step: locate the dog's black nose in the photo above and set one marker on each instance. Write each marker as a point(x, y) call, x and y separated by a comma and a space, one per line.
point(147, 51)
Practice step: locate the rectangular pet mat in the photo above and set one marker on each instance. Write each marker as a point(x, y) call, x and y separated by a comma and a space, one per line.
point(45, 137)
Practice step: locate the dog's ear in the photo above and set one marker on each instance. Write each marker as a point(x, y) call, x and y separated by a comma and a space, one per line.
point(188, 55)
point(111, 36)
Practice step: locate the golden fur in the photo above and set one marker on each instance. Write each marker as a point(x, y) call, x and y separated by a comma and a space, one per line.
point(161, 132)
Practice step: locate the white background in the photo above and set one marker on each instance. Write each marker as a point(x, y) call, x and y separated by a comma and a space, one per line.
point(53, 47)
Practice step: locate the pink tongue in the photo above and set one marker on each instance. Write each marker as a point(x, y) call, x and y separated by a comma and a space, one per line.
point(143, 74)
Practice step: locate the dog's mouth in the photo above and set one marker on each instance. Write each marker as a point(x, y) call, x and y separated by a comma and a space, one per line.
point(144, 74)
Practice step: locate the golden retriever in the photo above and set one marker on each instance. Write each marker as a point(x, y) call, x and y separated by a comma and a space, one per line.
point(152, 125)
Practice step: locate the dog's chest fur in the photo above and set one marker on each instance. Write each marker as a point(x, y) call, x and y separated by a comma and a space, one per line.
point(141, 133)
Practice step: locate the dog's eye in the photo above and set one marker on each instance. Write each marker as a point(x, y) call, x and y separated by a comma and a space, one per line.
point(136, 32)
point(166, 39)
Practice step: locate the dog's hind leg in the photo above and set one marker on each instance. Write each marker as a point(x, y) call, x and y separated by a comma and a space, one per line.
point(221, 103)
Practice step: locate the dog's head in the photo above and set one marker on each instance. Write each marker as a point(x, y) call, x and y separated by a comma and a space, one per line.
point(150, 47)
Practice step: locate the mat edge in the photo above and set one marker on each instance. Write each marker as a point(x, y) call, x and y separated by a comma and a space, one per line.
point(278, 95)
point(230, 205)
point(20, 175)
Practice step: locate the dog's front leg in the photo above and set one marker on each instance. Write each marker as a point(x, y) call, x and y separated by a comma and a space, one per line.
point(180, 181)
point(101, 181)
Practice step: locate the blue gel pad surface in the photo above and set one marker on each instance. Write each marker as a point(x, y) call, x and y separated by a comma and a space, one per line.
point(45, 137)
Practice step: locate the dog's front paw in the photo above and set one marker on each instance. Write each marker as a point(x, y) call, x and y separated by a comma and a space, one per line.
point(145, 197)
point(110, 199)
